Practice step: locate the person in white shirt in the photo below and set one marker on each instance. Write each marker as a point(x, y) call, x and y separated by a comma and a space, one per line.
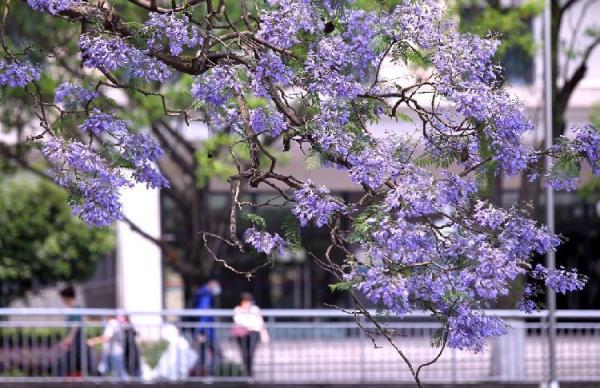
point(249, 328)
point(113, 344)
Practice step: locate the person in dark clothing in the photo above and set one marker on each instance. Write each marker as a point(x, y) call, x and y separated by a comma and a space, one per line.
point(76, 357)
point(209, 353)
point(131, 353)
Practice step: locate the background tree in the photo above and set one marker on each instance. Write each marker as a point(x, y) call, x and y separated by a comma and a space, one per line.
point(41, 242)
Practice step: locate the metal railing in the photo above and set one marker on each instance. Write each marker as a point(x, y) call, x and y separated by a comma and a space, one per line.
point(305, 346)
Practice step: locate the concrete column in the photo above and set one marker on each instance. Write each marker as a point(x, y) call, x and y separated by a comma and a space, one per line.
point(139, 264)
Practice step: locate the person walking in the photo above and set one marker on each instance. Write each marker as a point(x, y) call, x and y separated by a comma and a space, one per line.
point(113, 348)
point(131, 350)
point(76, 356)
point(209, 352)
point(249, 328)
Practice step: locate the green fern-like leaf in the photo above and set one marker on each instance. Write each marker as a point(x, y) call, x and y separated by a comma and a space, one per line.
point(255, 220)
point(341, 286)
point(291, 231)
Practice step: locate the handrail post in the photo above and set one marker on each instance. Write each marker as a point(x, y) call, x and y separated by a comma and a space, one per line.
point(550, 221)
point(270, 319)
point(83, 348)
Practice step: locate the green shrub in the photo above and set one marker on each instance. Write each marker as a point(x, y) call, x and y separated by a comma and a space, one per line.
point(151, 351)
point(230, 369)
point(39, 336)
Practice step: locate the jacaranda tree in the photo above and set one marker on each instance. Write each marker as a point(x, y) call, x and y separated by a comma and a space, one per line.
point(307, 74)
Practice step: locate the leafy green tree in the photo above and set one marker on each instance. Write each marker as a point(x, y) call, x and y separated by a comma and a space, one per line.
point(41, 242)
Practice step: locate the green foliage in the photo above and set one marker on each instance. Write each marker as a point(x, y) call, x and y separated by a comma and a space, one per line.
point(17, 336)
point(590, 191)
point(438, 337)
point(486, 176)
point(292, 232)
point(152, 351)
point(510, 23)
point(214, 160)
point(361, 226)
point(374, 5)
point(41, 242)
point(255, 220)
point(567, 165)
point(340, 287)
point(230, 369)
point(13, 373)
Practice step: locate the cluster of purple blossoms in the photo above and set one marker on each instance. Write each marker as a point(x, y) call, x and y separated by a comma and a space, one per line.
point(361, 30)
point(104, 54)
point(419, 193)
point(264, 242)
point(491, 271)
point(396, 239)
point(139, 149)
point(369, 168)
point(73, 96)
point(469, 328)
point(114, 53)
point(270, 68)
point(526, 303)
point(417, 22)
point(587, 144)
point(521, 236)
point(51, 6)
point(283, 20)
point(466, 75)
point(559, 180)
point(457, 239)
point(379, 161)
point(264, 122)
point(174, 30)
point(96, 180)
point(489, 216)
point(560, 279)
point(148, 68)
point(315, 203)
point(216, 86)
point(564, 174)
point(330, 124)
point(100, 123)
point(382, 287)
point(15, 74)
point(328, 63)
point(89, 177)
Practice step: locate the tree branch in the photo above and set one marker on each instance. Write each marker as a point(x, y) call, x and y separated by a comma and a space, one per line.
point(112, 22)
point(564, 94)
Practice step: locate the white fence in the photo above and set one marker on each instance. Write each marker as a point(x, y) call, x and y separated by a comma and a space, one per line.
point(305, 346)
